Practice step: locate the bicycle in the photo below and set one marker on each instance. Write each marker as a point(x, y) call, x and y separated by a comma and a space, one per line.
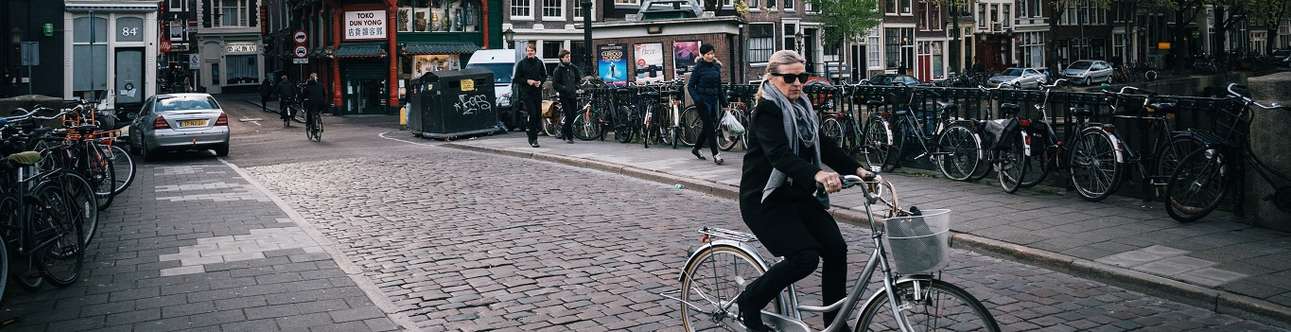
point(66, 150)
point(1099, 157)
point(587, 125)
point(314, 125)
point(1008, 154)
point(910, 250)
point(953, 144)
point(739, 99)
point(41, 211)
point(1202, 177)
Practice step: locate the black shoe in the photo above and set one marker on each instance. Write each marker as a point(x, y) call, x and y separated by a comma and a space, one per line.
point(534, 144)
point(569, 141)
point(754, 324)
point(697, 155)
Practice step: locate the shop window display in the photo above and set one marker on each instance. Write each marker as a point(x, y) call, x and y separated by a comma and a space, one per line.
point(439, 16)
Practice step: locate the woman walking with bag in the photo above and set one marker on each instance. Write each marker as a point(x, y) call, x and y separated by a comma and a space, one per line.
point(706, 89)
point(779, 201)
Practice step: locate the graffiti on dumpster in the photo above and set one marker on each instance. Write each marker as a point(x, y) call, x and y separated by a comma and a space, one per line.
point(468, 105)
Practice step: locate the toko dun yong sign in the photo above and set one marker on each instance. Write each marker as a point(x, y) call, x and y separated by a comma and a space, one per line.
point(365, 25)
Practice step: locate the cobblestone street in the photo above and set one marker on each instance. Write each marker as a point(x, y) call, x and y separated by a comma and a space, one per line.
point(465, 241)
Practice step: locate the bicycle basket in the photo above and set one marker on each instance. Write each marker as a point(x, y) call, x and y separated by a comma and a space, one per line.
point(918, 244)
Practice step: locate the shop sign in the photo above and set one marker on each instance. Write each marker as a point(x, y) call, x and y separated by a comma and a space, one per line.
point(240, 48)
point(366, 24)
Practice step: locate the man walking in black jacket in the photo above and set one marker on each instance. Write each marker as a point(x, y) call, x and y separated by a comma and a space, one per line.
point(565, 80)
point(530, 74)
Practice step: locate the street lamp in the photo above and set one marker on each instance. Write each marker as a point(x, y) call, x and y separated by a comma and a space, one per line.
point(509, 36)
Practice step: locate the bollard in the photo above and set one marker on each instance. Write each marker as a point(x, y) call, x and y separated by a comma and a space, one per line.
point(403, 117)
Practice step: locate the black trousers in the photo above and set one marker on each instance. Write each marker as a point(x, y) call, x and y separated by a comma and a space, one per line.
point(533, 107)
point(284, 111)
point(708, 111)
point(570, 107)
point(806, 235)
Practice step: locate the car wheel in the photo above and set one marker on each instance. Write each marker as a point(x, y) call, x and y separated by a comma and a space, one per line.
point(222, 150)
point(1087, 82)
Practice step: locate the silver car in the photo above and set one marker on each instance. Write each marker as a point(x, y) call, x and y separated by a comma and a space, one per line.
point(1026, 78)
point(1088, 72)
point(182, 121)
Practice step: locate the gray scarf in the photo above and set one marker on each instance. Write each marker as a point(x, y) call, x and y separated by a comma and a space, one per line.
point(800, 126)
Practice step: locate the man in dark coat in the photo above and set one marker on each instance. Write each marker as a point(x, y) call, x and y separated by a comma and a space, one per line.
point(266, 91)
point(565, 80)
point(314, 98)
point(530, 73)
point(286, 95)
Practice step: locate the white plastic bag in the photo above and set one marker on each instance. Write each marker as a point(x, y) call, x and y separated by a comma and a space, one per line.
point(732, 124)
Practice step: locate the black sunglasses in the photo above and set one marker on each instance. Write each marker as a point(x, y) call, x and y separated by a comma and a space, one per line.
point(790, 78)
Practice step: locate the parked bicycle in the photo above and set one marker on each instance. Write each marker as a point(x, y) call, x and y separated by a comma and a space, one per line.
point(1202, 177)
point(910, 251)
point(951, 144)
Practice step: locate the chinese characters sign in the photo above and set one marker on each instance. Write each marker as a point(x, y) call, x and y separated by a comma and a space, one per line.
point(365, 25)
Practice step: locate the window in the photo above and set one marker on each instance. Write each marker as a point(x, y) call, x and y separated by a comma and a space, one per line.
point(906, 6)
point(892, 46)
point(553, 10)
point(578, 10)
point(873, 57)
point(129, 29)
point(1007, 17)
point(806, 6)
point(232, 13)
point(788, 5)
point(890, 7)
point(1032, 49)
point(790, 37)
point(444, 16)
point(981, 16)
point(938, 71)
point(771, 5)
point(90, 55)
point(923, 17)
point(242, 69)
point(520, 9)
point(753, 5)
point(995, 17)
point(551, 49)
point(1033, 8)
point(168, 104)
point(627, 2)
point(761, 42)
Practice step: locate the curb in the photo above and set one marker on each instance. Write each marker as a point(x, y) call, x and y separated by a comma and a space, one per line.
point(1211, 299)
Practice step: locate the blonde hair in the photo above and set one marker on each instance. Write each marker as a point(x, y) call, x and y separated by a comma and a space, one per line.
point(779, 59)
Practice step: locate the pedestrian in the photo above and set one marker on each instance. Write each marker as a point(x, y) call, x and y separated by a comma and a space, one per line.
point(314, 98)
point(779, 201)
point(266, 91)
point(565, 80)
point(705, 88)
point(530, 74)
point(286, 96)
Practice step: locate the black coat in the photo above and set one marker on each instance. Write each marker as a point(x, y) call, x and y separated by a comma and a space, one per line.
point(314, 92)
point(705, 83)
point(530, 69)
point(773, 220)
point(565, 80)
point(286, 90)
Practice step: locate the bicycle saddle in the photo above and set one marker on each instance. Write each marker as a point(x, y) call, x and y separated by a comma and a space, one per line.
point(25, 158)
point(1163, 107)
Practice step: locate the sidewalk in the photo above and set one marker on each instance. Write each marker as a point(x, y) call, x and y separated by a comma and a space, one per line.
point(194, 246)
point(1215, 263)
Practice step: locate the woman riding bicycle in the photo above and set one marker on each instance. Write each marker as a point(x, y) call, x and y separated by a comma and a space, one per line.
point(779, 200)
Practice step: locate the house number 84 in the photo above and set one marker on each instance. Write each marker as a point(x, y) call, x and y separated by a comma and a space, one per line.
point(129, 31)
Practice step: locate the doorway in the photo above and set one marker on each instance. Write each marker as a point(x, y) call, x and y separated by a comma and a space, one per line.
point(809, 46)
point(128, 85)
point(363, 96)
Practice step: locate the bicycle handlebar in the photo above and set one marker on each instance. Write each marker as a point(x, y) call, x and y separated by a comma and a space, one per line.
point(1250, 101)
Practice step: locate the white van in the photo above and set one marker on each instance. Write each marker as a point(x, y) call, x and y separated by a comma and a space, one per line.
point(502, 63)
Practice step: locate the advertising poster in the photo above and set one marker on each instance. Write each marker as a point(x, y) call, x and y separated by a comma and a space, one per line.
point(612, 64)
point(422, 64)
point(684, 55)
point(649, 59)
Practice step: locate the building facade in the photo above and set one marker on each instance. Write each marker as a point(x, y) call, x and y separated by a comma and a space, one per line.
point(229, 45)
point(110, 50)
point(38, 22)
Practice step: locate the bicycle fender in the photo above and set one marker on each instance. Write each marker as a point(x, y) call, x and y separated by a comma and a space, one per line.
point(1118, 148)
point(1208, 140)
point(886, 127)
point(717, 243)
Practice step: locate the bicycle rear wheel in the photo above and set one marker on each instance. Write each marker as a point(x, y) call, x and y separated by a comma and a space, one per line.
point(877, 143)
point(691, 124)
point(927, 305)
point(122, 164)
point(1094, 170)
point(959, 150)
point(626, 125)
point(1012, 166)
point(98, 170)
point(586, 127)
point(1038, 162)
point(1197, 185)
point(82, 202)
point(59, 221)
point(712, 281)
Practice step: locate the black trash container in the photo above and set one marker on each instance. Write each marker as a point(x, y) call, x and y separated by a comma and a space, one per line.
point(451, 104)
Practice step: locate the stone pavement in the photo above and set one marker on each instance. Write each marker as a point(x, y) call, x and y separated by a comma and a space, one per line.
point(193, 246)
point(464, 241)
point(1218, 262)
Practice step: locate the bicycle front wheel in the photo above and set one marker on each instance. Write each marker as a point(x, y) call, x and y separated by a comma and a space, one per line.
point(123, 166)
point(927, 305)
point(1038, 161)
point(1012, 166)
point(1094, 170)
point(100, 173)
point(60, 219)
point(712, 281)
point(691, 124)
point(80, 196)
point(1197, 185)
point(877, 143)
point(586, 127)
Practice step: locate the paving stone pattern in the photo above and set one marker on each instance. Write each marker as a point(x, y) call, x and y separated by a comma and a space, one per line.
point(1240, 258)
point(194, 247)
point(467, 241)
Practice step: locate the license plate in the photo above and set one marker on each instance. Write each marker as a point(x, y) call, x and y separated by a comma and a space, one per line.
point(192, 123)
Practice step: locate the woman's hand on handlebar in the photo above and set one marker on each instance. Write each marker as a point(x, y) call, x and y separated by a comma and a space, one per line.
point(830, 180)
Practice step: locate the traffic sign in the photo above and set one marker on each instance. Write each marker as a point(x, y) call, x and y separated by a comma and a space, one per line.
point(300, 52)
point(30, 53)
point(300, 61)
point(300, 37)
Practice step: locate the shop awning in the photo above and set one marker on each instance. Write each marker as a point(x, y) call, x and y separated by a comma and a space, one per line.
point(423, 48)
point(361, 50)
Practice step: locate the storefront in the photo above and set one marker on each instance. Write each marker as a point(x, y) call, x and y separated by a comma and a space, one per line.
point(440, 35)
point(230, 62)
point(111, 50)
point(661, 50)
point(365, 64)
